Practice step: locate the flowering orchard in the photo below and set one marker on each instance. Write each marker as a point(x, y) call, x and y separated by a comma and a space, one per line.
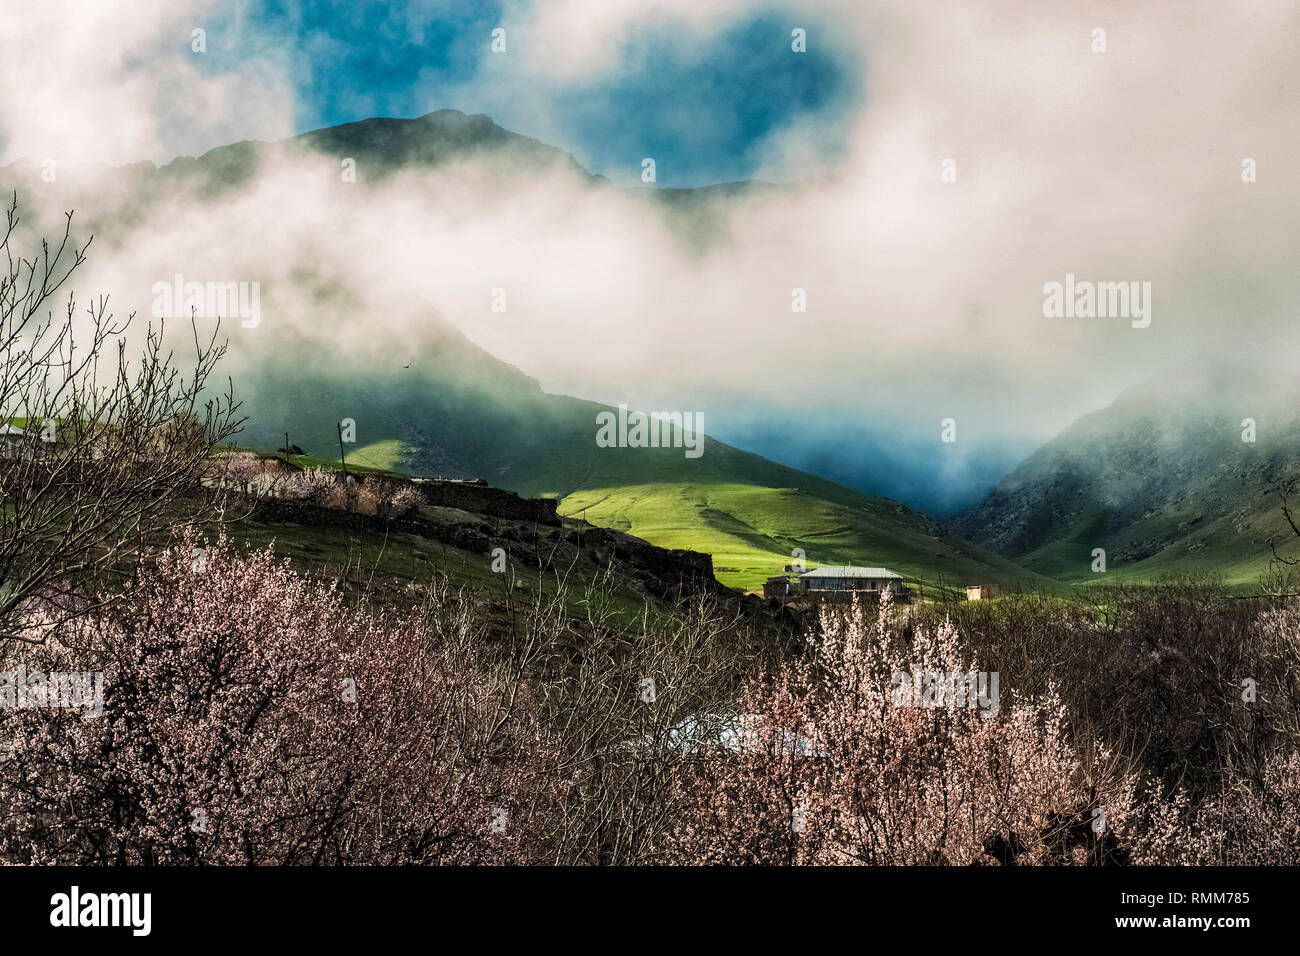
point(251, 718)
point(250, 715)
point(831, 769)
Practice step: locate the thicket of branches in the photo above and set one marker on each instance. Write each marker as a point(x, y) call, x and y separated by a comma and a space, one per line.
point(104, 447)
point(295, 727)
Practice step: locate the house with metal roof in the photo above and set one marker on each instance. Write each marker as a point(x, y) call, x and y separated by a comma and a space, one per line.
point(844, 577)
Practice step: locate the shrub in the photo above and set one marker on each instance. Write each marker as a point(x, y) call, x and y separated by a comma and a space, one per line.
point(1248, 823)
point(314, 486)
point(406, 500)
point(251, 718)
point(831, 769)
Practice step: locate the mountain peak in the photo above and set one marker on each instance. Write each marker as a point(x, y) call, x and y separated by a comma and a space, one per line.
point(387, 145)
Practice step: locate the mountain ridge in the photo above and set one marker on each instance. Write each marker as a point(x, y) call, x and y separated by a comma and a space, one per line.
point(1177, 474)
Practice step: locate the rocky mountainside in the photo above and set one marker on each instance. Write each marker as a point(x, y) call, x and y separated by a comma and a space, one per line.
point(1166, 475)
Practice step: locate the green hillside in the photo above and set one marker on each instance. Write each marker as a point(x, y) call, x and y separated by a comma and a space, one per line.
point(459, 413)
point(1161, 480)
point(1234, 547)
point(751, 531)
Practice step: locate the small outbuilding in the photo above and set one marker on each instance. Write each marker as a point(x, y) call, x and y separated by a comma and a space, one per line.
point(777, 587)
point(981, 592)
point(13, 441)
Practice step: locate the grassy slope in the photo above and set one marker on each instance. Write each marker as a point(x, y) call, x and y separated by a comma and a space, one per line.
point(1160, 479)
point(381, 455)
point(1233, 548)
point(459, 412)
point(361, 559)
point(751, 530)
point(746, 511)
point(750, 513)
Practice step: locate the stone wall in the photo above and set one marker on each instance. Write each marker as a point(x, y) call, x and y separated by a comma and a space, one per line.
point(660, 571)
point(300, 512)
point(492, 502)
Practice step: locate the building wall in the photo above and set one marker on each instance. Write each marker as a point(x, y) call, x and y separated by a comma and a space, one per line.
point(776, 589)
point(846, 584)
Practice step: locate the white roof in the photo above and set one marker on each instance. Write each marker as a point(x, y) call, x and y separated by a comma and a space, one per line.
point(713, 732)
point(849, 571)
point(11, 430)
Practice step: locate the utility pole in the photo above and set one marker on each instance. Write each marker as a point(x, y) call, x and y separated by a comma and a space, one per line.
point(342, 459)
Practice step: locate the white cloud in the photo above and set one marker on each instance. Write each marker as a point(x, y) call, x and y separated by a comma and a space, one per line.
point(117, 82)
point(568, 39)
point(924, 296)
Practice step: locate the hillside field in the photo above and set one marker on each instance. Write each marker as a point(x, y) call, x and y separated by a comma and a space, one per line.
point(751, 532)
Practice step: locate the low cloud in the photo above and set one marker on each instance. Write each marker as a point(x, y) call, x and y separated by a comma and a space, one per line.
point(924, 296)
point(120, 83)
